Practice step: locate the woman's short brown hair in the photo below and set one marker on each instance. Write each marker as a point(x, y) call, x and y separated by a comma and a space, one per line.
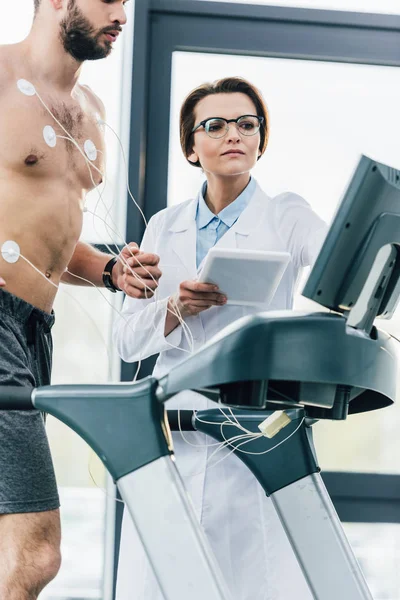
point(228, 85)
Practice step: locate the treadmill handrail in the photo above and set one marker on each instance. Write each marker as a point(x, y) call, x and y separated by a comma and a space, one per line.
point(17, 397)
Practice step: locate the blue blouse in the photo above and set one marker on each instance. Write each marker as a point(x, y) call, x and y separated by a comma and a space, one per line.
point(211, 227)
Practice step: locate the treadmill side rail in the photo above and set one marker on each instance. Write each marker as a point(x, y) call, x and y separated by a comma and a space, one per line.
point(175, 544)
point(319, 542)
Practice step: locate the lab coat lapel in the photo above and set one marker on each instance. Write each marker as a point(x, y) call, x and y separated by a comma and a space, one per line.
point(243, 233)
point(183, 240)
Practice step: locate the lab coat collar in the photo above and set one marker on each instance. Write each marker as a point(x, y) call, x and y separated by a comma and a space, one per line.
point(183, 242)
point(248, 220)
point(250, 217)
point(186, 217)
point(228, 215)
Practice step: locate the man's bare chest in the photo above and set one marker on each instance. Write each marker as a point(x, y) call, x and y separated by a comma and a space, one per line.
point(50, 136)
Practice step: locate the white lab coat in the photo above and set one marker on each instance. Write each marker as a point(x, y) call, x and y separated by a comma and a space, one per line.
point(238, 519)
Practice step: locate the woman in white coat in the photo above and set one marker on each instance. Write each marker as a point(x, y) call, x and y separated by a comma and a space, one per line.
point(224, 130)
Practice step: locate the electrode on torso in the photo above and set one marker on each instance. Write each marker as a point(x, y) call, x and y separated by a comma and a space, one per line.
point(51, 177)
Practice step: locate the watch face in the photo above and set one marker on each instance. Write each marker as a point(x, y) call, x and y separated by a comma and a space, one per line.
point(108, 282)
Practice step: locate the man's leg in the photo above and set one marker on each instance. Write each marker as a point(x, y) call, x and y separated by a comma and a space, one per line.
point(29, 516)
point(30, 553)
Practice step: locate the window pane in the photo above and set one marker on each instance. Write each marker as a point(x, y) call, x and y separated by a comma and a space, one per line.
point(369, 6)
point(323, 116)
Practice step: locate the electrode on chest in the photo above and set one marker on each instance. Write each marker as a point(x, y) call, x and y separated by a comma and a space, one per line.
point(90, 150)
point(27, 88)
point(10, 251)
point(49, 136)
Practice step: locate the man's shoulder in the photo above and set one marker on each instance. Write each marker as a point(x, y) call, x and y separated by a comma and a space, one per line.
point(93, 99)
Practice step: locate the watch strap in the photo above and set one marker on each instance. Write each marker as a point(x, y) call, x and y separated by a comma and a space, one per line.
point(107, 276)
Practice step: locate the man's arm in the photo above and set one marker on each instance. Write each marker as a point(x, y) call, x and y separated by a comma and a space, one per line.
point(88, 263)
point(136, 281)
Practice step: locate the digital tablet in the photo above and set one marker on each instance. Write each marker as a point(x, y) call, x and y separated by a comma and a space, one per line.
point(246, 277)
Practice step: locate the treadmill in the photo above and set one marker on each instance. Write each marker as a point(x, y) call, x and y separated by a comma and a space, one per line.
point(309, 365)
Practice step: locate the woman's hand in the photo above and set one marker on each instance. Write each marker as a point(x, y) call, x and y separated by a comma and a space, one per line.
point(192, 298)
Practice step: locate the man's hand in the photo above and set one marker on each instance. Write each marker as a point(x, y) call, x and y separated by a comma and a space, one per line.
point(137, 274)
point(2, 282)
point(194, 297)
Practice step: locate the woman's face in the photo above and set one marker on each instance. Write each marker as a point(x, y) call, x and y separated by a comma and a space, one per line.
point(233, 154)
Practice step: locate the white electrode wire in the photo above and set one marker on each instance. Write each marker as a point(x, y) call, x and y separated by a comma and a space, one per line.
point(67, 133)
point(175, 311)
point(229, 442)
point(229, 421)
point(186, 329)
point(75, 300)
point(191, 443)
point(120, 314)
point(100, 198)
point(235, 423)
point(258, 435)
point(126, 170)
point(232, 414)
point(172, 308)
point(90, 283)
point(99, 291)
point(70, 138)
point(90, 165)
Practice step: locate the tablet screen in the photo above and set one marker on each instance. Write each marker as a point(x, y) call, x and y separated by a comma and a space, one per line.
point(246, 277)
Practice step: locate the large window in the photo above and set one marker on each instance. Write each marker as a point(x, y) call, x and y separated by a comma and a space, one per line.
point(323, 117)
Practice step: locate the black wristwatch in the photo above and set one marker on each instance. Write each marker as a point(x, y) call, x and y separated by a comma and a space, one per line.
point(107, 278)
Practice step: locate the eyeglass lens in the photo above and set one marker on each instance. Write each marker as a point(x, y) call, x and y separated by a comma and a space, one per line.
point(217, 128)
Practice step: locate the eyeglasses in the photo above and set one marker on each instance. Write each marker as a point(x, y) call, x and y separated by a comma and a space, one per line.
point(218, 127)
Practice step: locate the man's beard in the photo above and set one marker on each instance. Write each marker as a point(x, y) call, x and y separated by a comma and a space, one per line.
point(79, 38)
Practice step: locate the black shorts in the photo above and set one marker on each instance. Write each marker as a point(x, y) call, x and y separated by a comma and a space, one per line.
point(27, 480)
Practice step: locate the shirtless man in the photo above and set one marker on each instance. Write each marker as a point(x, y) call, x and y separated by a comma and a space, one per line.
point(42, 191)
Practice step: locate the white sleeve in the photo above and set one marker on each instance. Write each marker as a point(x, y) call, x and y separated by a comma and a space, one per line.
point(301, 229)
point(138, 331)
